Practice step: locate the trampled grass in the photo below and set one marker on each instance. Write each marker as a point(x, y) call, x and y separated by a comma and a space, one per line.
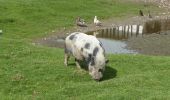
point(29, 71)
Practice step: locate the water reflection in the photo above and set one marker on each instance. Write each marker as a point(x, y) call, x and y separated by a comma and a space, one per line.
point(156, 26)
point(119, 32)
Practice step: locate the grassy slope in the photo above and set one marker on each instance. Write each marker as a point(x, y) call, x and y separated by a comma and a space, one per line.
point(36, 72)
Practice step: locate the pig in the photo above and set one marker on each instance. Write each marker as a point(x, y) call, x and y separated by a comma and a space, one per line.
point(86, 48)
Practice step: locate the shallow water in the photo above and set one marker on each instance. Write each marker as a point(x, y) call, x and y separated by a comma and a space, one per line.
point(115, 46)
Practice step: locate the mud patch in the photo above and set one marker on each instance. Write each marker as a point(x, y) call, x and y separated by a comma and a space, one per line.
point(52, 41)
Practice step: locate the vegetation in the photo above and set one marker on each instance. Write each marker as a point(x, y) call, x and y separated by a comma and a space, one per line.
point(28, 71)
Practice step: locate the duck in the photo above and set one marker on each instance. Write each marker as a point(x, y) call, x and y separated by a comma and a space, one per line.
point(80, 22)
point(97, 22)
point(141, 13)
point(149, 14)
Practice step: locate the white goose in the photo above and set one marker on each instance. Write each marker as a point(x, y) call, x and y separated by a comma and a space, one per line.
point(96, 21)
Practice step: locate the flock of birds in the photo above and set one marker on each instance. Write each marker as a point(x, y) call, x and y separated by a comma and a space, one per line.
point(81, 22)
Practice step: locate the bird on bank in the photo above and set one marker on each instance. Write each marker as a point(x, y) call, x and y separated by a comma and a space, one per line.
point(141, 13)
point(97, 22)
point(80, 22)
point(149, 14)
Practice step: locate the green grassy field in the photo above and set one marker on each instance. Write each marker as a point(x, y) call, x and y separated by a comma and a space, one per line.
point(37, 72)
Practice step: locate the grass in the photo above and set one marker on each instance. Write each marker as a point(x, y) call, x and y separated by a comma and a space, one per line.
point(29, 72)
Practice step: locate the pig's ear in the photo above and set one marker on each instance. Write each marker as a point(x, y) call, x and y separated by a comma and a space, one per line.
point(106, 61)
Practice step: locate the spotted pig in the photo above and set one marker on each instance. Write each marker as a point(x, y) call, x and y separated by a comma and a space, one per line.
point(86, 48)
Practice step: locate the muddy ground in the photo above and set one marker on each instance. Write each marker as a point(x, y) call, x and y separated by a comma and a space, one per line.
point(150, 44)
